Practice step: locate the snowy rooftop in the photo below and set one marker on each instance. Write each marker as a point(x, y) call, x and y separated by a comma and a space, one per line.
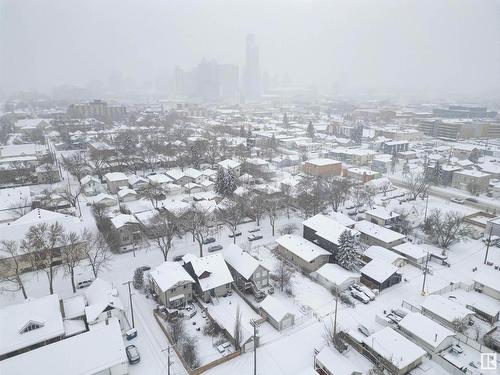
point(115, 176)
point(378, 232)
point(124, 192)
point(16, 230)
point(425, 329)
point(382, 254)
point(338, 363)
point(74, 307)
point(488, 278)
point(472, 173)
point(301, 247)
point(336, 274)
point(211, 271)
point(445, 308)
point(393, 347)
point(169, 274)
point(175, 174)
point(240, 260)
point(229, 163)
point(342, 219)
point(275, 308)
point(327, 228)
point(44, 312)
point(122, 220)
point(159, 178)
point(382, 213)
point(193, 173)
point(15, 197)
point(322, 161)
point(85, 354)
point(411, 250)
point(88, 179)
point(379, 270)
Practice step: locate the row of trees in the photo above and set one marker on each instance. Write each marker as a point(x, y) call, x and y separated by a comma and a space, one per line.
point(50, 249)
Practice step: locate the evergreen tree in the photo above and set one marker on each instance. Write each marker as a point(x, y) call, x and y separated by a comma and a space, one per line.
point(285, 121)
point(242, 132)
point(138, 281)
point(347, 255)
point(225, 183)
point(438, 173)
point(310, 130)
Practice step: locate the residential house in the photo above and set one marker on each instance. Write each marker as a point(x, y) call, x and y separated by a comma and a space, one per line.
point(173, 285)
point(382, 217)
point(374, 234)
point(127, 195)
point(178, 177)
point(29, 325)
point(96, 352)
point(487, 282)
point(211, 274)
point(301, 252)
point(416, 254)
point(195, 176)
point(329, 361)
point(47, 173)
point(115, 181)
point(381, 253)
point(91, 186)
point(231, 165)
point(13, 201)
point(323, 167)
point(276, 313)
point(427, 333)
point(247, 271)
point(444, 310)
point(103, 303)
point(361, 174)
point(159, 179)
point(136, 182)
point(396, 353)
point(128, 231)
point(470, 180)
point(394, 147)
point(325, 232)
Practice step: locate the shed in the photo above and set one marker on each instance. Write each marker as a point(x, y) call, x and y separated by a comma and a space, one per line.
point(379, 274)
point(276, 313)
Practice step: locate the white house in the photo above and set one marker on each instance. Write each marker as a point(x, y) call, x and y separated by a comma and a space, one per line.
point(383, 254)
point(374, 234)
point(245, 268)
point(444, 310)
point(115, 181)
point(305, 254)
point(91, 186)
point(103, 303)
point(426, 332)
point(488, 282)
point(332, 276)
point(96, 352)
point(232, 165)
point(104, 199)
point(29, 325)
point(127, 195)
point(396, 352)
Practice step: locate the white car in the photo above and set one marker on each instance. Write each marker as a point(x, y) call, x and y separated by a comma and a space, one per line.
point(457, 200)
point(364, 289)
point(360, 296)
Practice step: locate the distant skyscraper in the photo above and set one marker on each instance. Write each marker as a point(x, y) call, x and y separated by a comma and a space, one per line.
point(252, 69)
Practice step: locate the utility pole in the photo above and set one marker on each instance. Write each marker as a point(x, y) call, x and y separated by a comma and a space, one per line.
point(426, 205)
point(425, 274)
point(335, 316)
point(168, 359)
point(254, 324)
point(131, 306)
point(488, 242)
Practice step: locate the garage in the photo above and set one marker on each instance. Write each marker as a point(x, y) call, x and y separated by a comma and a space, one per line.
point(276, 313)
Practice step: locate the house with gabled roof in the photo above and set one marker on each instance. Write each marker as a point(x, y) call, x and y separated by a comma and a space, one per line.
point(211, 274)
point(172, 283)
point(29, 325)
point(103, 303)
point(245, 269)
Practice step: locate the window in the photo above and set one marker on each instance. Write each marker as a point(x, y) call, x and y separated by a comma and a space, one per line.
point(173, 290)
point(31, 326)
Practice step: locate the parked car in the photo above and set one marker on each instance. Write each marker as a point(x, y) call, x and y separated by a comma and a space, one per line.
point(133, 354)
point(457, 200)
point(145, 268)
point(254, 237)
point(254, 230)
point(214, 248)
point(178, 258)
point(472, 200)
point(456, 349)
point(84, 283)
point(364, 330)
point(364, 289)
point(131, 334)
point(360, 296)
point(208, 240)
point(235, 234)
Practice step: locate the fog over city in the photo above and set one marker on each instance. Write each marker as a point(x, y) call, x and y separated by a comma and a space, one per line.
point(425, 47)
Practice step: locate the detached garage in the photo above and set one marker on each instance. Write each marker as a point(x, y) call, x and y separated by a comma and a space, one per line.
point(276, 313)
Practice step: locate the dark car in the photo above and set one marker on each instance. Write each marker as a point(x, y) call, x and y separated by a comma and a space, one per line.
point(472, 200)
point(133, 354)
point(236, 234)
point(208, 240)
point(144, 268)
point(214, 248)
point(178, 258)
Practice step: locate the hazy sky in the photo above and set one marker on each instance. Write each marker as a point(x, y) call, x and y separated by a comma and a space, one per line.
point(357, 44)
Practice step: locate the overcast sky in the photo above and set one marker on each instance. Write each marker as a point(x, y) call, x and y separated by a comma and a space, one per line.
point(357, 44)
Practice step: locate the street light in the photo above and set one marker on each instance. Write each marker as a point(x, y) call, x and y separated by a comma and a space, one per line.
point(488, 243)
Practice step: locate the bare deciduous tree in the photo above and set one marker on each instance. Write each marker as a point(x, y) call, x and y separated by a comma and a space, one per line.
point(76, 164)
point(283, 274)
point(96, 251)
point(417, 184)
point(197, 222)
point(289, 228)
point(42, 246)
point(231, 217)
point(164, 228)
point(152, 192)
point(71, 255)
point(272, 213)
point(337, 189)
point(446, 228)
point(11, 268)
